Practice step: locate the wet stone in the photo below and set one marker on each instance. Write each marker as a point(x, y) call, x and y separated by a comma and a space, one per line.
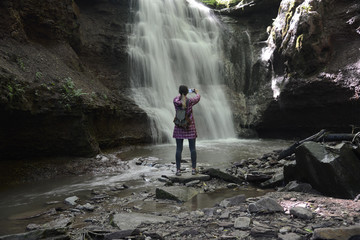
point(352, 233)
point(226, 224)
point(240, 234)
point(263, 232)
point(217, 173)
point(242, 223)
point(192, 183)
point(234, 201)
point(192, 232)
point(88, 207)
point(32, 227)
point(187, 177)
point(232, 185)
point(289, 236)
point(177, 193)
point(225, 214)
point(265, 205)
point(71, 200)
point(301, 212)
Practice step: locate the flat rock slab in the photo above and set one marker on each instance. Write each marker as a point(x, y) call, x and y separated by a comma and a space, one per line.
point(188, 177)
point(177, 193)
point(341, 233)
point(130, 221)
point(217, 173)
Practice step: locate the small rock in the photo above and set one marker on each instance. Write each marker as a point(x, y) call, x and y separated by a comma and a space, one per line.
point(265, 205)
point(234, 201)
point(71, 200)
point(289, 236)
point(285, 229)
point(232, 185)
point(52, 202)
point(88, 207)
point(302, 213)
point(164, 180)
point(226, 224)
point(32, 227)
point(263, 232)
point(225, 215)
point(242, 223)
point(208, 212)
point(192, 232)
point(197, 213)
point(192, 183)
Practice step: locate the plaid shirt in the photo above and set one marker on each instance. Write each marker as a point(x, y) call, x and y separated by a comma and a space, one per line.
point(189, 133)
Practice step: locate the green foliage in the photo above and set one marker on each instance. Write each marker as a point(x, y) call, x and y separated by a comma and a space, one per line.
point(288, 18)
point(299, 42)
point(70, 89)
point(69, 85)
point(47, 87)
point(20, 63)
point(93, 96)
point(38, 75)
point(70, 93)
point(306, 8)
point(221, 3)
point(15, 90)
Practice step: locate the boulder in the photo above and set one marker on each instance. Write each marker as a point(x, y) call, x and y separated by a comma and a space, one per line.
point(332, 171)
point(351, 233)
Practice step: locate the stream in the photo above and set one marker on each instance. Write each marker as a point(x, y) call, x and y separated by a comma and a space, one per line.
point(143, 166)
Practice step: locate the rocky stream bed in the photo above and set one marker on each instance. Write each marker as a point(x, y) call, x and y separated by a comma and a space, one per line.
point(294, 211)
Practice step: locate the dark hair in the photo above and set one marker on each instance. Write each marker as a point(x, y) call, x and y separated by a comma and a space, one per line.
point(183, 90)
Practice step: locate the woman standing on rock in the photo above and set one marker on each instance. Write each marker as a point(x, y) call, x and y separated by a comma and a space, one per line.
point(182, 102)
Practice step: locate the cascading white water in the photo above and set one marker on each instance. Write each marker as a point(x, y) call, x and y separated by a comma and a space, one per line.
point(175, 42)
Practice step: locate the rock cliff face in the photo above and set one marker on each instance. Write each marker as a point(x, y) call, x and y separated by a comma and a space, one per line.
point(63, 79)
point(307, 76)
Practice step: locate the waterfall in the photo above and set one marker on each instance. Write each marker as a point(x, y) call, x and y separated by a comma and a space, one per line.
point(173, 43)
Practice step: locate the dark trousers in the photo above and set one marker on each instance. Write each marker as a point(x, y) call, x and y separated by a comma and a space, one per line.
point(179, 148)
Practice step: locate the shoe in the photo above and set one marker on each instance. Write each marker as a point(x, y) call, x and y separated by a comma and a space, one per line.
point(178, 173)
point(194, 172)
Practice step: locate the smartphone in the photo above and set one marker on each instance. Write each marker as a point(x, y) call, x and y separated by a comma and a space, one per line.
point(191, 90)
